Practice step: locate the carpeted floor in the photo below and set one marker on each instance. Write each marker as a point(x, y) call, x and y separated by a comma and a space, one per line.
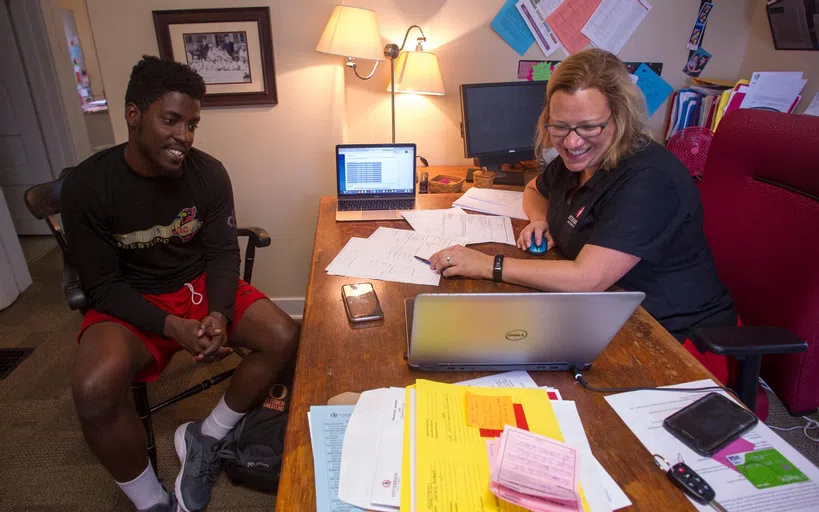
point(46, 464)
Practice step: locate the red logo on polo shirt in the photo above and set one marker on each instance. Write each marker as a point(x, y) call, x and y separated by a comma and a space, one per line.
point(580, 211)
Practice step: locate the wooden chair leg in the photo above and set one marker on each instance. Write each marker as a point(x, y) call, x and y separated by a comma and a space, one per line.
point(143, 408)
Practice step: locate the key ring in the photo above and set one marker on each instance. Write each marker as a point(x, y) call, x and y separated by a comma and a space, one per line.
point(659, 460)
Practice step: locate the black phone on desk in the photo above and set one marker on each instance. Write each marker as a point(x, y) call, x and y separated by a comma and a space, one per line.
point(361, 302)
point(710, 423)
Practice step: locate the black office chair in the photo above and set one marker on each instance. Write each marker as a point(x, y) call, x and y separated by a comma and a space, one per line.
point(43, 201)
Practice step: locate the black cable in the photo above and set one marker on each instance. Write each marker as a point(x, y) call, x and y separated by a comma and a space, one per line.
point(579, 378)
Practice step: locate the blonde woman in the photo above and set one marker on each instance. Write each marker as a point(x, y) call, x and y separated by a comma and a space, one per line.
point(621, 207)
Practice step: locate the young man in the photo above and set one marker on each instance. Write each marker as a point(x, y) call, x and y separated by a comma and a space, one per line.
point(152, 233)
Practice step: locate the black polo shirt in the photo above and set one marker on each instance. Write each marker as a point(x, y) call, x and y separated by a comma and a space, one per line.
point(648, 207)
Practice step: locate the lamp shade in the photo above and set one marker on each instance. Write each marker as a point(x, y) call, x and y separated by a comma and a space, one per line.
point(418, 72)
point(352, 32)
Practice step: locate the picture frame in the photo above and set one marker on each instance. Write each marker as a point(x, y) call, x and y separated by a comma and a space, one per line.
point(794, 24)
point(231, 48)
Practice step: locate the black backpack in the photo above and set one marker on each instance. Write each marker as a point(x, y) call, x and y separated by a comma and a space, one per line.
point(252, 452)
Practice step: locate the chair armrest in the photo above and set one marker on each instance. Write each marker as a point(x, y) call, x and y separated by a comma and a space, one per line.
point(71, 288)
point(746, 341)
point(258, 236)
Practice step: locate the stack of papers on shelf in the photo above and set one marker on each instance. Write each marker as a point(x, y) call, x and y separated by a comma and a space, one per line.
point(533, 471)
point(507, 203)
point(454, 223)
point(644, 412)
point(778, 91)
point(374, 456)
point(390, 255)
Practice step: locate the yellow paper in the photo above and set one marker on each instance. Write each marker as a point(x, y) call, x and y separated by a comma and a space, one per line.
point(452, 466)
point(405, 456)
point(491, 412)
point(712, 81)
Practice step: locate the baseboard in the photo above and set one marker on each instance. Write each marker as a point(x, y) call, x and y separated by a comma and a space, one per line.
point(293, 306)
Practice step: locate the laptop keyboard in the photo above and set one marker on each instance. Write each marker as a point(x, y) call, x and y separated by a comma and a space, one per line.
point(376, 204)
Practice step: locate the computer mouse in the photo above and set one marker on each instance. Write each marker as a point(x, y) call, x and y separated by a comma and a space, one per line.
point(538, 249)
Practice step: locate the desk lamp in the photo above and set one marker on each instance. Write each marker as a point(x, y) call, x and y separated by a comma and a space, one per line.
point(353, 32)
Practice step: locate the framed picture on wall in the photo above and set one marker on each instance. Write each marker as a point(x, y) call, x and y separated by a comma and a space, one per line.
point(232, 49)
point(794, 24)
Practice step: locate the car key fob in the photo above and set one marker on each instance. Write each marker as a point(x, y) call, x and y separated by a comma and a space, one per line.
point(691, 483)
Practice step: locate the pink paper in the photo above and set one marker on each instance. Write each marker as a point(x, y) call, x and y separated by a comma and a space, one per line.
point(737, 446)
point(568, 19)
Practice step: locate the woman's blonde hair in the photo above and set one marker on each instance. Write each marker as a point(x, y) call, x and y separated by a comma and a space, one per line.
point(603, 71)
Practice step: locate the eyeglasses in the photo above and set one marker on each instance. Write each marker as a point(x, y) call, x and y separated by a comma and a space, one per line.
point(586, 131)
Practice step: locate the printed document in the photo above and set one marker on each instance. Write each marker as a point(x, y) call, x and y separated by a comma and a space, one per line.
point(508, 203)
point(534, 13)
point(774, 90)
point(455, 224)
point(567, 21)
point(613, 23)
point(418, 244)
point(390, 258)
point(644, 412)
point(327, 426)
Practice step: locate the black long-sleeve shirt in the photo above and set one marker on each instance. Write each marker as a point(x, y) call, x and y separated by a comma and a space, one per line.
point(130, 235)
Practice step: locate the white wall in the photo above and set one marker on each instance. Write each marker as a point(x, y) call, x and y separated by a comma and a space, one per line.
point(469, 51)
point(760, 55)
point(281, 158)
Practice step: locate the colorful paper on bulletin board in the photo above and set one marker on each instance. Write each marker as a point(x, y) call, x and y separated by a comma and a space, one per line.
point(510, 26)
point(654, 88)
point(542, 71)
point(567, 21)
point(525, 67)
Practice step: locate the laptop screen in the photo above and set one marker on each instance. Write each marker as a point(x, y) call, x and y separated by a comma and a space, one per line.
point(375, 170)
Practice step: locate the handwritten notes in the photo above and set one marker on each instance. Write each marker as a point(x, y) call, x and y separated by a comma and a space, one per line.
point(490, 412)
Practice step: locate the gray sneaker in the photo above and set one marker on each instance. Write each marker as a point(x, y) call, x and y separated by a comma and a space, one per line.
point(171, 506)
point(200, 466)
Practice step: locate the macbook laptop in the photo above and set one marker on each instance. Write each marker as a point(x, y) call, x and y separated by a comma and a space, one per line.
point(513, 331)
point(375, 181)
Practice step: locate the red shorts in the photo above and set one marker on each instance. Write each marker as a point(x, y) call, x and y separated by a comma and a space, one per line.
point(179, 303)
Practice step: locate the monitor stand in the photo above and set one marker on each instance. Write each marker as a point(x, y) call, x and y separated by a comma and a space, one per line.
point(514, 178)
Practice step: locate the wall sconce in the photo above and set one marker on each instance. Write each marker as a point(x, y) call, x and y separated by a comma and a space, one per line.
point(353, 32)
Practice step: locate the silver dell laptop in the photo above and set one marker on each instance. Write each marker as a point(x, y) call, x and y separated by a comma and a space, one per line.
point(375, 181)
point(513, 331)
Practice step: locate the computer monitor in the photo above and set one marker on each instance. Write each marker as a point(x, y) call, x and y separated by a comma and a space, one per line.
point(499, 121)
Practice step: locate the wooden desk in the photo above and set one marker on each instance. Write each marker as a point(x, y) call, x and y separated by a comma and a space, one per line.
point(335, 357)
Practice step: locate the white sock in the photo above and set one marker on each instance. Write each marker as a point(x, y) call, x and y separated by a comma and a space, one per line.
point(221, 420)
point(145, 490)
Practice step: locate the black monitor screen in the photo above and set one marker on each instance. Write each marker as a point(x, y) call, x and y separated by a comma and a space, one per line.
point(500, 120)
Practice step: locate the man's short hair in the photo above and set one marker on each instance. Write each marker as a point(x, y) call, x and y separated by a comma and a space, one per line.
point(152, 77)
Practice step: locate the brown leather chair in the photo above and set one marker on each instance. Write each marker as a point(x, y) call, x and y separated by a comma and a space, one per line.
point(43, 201)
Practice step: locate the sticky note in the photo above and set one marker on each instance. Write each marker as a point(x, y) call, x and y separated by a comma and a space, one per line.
point(490, 412)
point(766, 468)
point(654, 88)
point(542, 71)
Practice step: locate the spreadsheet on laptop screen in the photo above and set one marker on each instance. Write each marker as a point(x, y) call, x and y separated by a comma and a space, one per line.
point(376, 170)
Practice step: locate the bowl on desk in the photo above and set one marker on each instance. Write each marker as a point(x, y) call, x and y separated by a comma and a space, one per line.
point(442, 184)
point(483, 179)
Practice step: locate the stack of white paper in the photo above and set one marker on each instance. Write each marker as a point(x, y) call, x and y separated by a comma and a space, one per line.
point(390, 255)
point(454, 223)
point(371, 455)
point(496, 202)
point(774, 90)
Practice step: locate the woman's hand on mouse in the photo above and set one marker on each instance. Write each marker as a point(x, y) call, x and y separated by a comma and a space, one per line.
point(540, 228)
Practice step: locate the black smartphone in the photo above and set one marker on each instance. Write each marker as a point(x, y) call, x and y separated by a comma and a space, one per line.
point(710, 423)
point(361, 302)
